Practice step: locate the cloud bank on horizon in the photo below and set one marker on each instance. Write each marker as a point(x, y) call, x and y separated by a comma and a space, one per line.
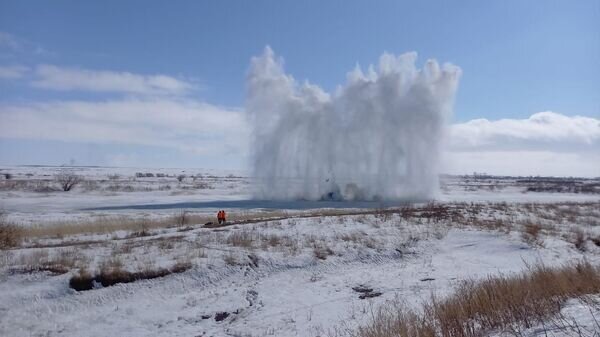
point(546, 143)
point(538, 131)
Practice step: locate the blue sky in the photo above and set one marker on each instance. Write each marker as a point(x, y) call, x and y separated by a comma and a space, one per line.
point(517, 57)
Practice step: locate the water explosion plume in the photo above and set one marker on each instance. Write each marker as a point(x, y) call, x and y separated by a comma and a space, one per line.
point(377, 137)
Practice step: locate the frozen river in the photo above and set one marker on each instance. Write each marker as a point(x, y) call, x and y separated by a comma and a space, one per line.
point(253, 204)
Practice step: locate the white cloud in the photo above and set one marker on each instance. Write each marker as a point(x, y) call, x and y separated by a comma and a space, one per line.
point(13, 72)
point(543, 130)
point(65, 79)
point(186, 125)
point(547, 143)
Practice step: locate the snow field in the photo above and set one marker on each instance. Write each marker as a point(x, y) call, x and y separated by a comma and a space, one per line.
point(291, 277)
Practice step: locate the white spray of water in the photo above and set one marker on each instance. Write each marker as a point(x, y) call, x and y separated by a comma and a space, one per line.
point(377, 137)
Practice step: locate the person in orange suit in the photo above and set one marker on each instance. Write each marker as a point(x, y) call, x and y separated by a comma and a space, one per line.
point(221, 217)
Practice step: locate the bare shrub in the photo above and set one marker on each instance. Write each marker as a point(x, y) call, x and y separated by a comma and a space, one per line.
point(67, 180)
point(11, 235)
point(501, 303)
point(181, 177)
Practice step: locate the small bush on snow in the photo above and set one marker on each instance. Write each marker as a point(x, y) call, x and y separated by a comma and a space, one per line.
point(68, 180)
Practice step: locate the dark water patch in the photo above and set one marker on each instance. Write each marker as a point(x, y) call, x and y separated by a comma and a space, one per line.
point(85, 281)
point(256, 204)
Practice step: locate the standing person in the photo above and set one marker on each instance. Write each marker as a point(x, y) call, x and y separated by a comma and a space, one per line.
point(223, 216)
point(220, 217)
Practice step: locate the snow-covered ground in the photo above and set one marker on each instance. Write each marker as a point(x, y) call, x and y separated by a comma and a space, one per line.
point(32, 193)
point(297, 276)
point(33, 196)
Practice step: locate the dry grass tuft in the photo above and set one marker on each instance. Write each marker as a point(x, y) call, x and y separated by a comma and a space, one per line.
point(59, 262)
point(241, 238)
point(321, 251)
point(270, 240)
point(358, 238)
point(501, 303)
point(141, 232)
point(274, 240)
point(578, 238)
point(531, 234)
point(139, 226)
point(230, 259)
point(11, 235)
